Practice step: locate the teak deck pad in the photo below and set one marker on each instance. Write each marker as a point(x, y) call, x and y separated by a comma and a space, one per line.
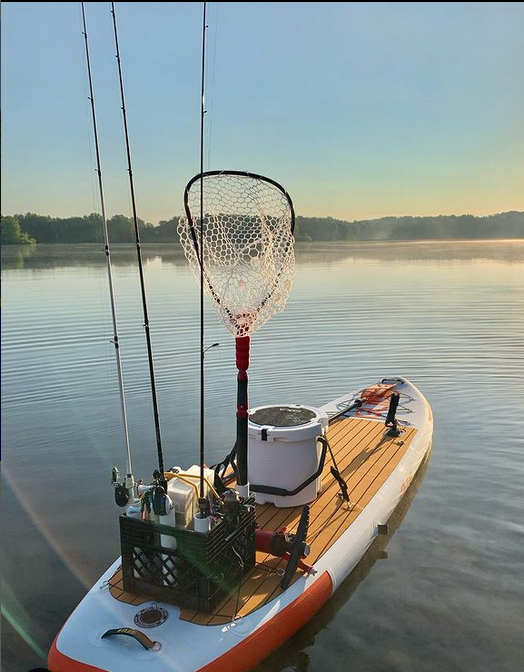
point(365, 457)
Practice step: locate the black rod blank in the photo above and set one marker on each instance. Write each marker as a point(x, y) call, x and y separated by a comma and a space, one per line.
point(139, 256)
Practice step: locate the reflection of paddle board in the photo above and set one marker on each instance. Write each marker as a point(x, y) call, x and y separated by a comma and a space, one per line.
point(114, 630)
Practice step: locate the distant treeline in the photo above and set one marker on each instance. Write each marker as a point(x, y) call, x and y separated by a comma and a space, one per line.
point(30, 228)
point(443, 227)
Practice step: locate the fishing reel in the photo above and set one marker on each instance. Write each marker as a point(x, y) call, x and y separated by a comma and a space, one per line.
point(120, 490)
point(156, 500)
point(154, 497)
point(231, 508)
point(160, 479)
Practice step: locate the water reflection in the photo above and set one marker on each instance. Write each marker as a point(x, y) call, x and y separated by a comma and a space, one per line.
point(63, 256)
point(293, 653)
point(416, 250)
point(17, 256)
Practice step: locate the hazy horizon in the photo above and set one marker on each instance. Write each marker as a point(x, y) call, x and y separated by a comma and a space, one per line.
point(360, 110)
point(297, 214)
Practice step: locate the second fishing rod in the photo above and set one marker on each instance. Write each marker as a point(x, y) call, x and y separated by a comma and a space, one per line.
point(161, 469)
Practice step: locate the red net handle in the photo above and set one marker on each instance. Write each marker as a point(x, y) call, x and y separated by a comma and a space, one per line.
point(242, 355)
point(242, 352)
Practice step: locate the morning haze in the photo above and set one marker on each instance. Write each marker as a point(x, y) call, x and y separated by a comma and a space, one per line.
point(362, 110)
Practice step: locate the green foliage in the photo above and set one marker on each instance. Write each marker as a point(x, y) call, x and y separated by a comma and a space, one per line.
point(322, 228)
point(121, 229)
point(165, 232)
point(12, 234)
point(89, 228)
point(442, 227)
point(45, 229)
point(467, 227)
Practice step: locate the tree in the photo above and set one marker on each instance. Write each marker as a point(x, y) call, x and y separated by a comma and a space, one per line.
point(121, 229)
point(42, 228)
point(12, 233)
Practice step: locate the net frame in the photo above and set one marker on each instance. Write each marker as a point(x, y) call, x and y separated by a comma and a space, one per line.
point(269, 285)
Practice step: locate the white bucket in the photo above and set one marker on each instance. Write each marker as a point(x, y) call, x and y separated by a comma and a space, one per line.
point(283, 451)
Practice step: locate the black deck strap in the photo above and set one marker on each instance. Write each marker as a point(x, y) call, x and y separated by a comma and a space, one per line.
point(342, 484)
point(335, 472)
point(229, 460)
point(219, 484)
point(282, 492)
point(140, 637)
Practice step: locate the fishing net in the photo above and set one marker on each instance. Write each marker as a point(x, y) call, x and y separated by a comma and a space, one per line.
point(247, 243)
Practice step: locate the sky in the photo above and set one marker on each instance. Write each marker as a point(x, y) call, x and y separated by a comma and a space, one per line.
point(359, 109)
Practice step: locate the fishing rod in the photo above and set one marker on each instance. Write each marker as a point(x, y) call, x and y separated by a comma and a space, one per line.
point(203, 504)
point(139, 256)
point(129, 482)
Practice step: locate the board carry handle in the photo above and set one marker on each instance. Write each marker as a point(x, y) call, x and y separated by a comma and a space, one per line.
point(140, 637)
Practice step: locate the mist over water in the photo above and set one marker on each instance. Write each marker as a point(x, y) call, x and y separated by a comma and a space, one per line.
point(447, 315)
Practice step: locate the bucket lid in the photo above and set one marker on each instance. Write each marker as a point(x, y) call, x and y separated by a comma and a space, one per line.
point(282, 416)
point(287, 422)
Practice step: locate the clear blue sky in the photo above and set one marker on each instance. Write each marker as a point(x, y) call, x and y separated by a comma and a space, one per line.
point(359, 109)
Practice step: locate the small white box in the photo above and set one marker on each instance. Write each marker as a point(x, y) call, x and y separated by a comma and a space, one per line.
point(184, 496)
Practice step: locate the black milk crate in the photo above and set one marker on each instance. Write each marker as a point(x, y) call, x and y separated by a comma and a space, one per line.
point(202, 569)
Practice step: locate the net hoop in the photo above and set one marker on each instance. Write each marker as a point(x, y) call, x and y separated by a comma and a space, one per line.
point(247, 242)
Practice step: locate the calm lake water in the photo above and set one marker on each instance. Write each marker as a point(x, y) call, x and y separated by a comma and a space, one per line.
point(447, 315)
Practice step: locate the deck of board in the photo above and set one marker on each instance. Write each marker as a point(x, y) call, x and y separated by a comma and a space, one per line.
point(365, 457)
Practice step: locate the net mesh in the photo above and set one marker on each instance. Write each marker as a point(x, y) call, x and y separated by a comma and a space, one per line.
point(247, 246)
